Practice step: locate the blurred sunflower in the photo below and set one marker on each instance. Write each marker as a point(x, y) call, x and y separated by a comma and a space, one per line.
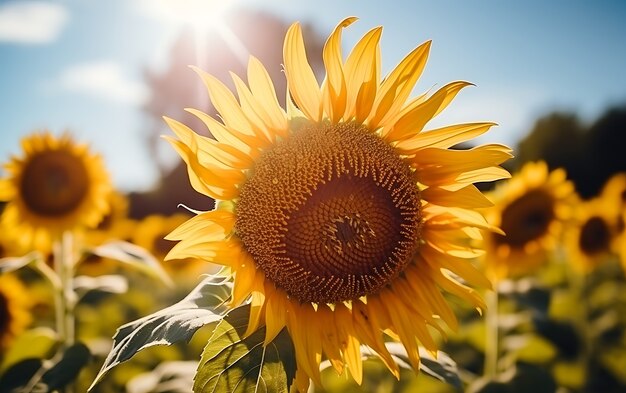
point(57, 186)
point(14, 309)
point(614, 194)
point(530, 208)
point(589, 237)
point(115, 225)
point(150, 234)
point(340, 218)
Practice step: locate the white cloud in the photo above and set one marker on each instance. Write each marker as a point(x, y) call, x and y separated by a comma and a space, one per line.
point(103, 79)
point(31, 22)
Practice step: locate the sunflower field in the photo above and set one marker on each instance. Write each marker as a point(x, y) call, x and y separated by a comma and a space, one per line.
point(335, 241)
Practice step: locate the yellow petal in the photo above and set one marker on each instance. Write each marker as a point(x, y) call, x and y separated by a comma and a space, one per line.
point(396, 88)
point(226, 104)
point(349, 344)
point(362, 70)
point(212, 226)
point(443, 138)
point(413, 120)
point(247, 144)
point(257, 303)
point(276, 312)
point(259, 120)
point(196, 175)
point(366, 328)
point(468, 197)
point(245, 274)
point(219, 153)
point(300, 77)
point(459, 266)
point(262, 88)
point(334, 87)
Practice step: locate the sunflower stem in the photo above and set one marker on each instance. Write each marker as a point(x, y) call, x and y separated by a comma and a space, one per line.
point(65, 297)
point(493, 334)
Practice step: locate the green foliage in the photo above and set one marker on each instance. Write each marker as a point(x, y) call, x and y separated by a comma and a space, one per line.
point(37, 375)
point(204, 305)
point(232, 362)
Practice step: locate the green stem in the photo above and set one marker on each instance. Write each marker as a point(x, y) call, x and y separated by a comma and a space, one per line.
point(492, 334)
point(64, 295)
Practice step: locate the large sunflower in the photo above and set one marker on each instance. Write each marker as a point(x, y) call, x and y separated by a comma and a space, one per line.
point(58, 185)
point(14, 309)
point(530, 208)
point(340, 218)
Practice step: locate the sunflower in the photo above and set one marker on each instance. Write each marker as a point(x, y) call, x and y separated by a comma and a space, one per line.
point(56, 186)
point(589, 238)
point(150, 234)
point(531, 209)
point(115, 225)
point(339, 218)
point(614, 194)
point(14, 309)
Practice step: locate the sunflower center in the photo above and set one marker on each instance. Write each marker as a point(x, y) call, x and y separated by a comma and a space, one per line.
point(527, 218)
point(330, 214)
point(595, 236)
point(54, 183)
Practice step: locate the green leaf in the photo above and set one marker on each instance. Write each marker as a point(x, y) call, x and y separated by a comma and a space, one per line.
point(37, 375)
point(112, 283)
point(441, 367)
point(172, 376)
point(66, 370)
point(232, 363)
point(204, 305)
point(133, 255)
point(19, 374)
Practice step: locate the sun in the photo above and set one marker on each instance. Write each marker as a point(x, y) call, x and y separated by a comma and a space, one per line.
point(341, 217)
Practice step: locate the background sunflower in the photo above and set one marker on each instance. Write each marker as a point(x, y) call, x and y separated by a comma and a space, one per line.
point(531, 208)
point(56, 186)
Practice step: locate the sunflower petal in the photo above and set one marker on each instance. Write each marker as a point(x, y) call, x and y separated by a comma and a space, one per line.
point(334, 87)
point(262, 88)
point(362, 69)
point(413, 121)
point(212, 225)
point(300, 77)
point(443, 138)
point(396, 88)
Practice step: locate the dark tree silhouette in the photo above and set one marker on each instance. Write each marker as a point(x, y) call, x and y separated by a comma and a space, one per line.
point(177, 87)
point(589, 154)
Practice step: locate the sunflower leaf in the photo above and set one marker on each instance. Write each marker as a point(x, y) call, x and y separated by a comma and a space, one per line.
point(133, 255)
point(10, 264)
point(204, 305)
point(39, 375)
point(233, 363)
point(441, 367)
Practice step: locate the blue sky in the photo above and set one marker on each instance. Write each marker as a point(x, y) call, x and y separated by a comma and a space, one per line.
point(77, 64)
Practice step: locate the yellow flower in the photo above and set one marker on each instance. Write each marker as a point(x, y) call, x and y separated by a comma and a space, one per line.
point(340, 218)
point(115, 225)
point(613, 194)
point(589, 238)
point(56, 186)
point(150, 234)
point(14, 309)
point(530, 208)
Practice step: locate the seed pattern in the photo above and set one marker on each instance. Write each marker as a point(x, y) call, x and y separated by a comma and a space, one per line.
point(54, 183)
point(330, 214)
